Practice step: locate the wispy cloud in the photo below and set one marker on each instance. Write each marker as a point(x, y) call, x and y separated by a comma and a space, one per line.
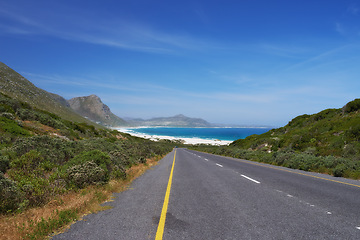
point(99, 83)
point(119, 33)
point(320, 58)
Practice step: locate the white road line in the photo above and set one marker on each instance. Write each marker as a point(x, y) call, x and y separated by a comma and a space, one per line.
point(219, 165)
point(358, 228)
point(206, 159)
point(250, 179)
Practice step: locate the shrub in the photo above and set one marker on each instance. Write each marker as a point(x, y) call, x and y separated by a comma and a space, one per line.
point(339, 170)
point(10, 195)
point(36, 189)
point(120, 158)
point(4, 163)
point(353, 133)
point(30, 172)
point(88, 168)
point(352, 106)
point(52, 149)
point(8, 115)
point(118, 172)
point(100, 158)
point(86, 174)
point(10, 126)
point(281, 158)
point(28, 162)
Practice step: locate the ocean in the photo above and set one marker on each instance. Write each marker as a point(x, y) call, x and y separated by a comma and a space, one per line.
point(224, 134)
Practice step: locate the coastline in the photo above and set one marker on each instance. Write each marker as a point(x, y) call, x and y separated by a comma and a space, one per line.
point(184, 140)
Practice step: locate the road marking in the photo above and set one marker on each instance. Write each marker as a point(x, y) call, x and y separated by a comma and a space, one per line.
point(328, 213)
point(304, 174)
point(161, 226)
point(358, 228)
point(219, 165)
point(206, 159)
point(250, 179)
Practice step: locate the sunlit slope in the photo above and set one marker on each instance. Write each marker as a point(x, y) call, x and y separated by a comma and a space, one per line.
point(18, 87)
point(329, 132)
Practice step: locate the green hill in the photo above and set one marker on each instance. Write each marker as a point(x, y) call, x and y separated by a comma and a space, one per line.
point(46, 149)
point(326, 142)
point(43, 155)
point(16, 86)
point(330, 132)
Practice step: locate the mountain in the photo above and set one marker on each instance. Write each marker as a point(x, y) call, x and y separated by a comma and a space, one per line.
point(16, 86)
point(175, 121)
point(95, 110)
point(329, 132)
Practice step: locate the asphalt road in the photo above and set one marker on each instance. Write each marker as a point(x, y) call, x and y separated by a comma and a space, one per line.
point(215, 197)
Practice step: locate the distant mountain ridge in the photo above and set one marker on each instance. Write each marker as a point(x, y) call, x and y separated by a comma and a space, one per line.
point(95, 110)
point(88, 109)
point(176, 121)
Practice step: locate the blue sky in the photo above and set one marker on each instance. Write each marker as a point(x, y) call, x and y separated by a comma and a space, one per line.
point(241, 62)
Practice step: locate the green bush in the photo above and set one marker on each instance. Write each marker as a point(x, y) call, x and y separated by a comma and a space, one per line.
point(86, 174)
point(339, 170)
point(100, 158)
point(88, 168)
point(53, 149)
point(4, 163)
point(10, 126)
point(29, 171)
point(120, 158)
point(37, 189)
point(7, 115)
point(10, 195)
point(352, 106)
point(28, 162)
point(118, 172)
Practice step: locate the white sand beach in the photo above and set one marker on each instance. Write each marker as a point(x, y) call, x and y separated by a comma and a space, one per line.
point(192, 141)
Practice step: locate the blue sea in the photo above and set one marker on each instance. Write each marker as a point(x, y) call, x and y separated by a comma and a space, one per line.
point(224, 134)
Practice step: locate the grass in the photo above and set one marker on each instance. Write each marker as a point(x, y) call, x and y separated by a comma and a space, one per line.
point(60, 212)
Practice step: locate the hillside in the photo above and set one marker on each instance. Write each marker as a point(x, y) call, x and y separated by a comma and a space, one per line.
point(175, 121)
point(95, 110)
point(329, 132)
point(16, 86)
point(326, 142)
point(43, 155)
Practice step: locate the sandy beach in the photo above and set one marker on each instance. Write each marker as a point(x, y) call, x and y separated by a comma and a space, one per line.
point(192, 141)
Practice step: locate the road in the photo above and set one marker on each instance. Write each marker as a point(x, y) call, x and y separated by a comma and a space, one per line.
point(213, 197)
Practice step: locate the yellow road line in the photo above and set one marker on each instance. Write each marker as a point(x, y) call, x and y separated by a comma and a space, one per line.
point(161, 226)
point(304, 174)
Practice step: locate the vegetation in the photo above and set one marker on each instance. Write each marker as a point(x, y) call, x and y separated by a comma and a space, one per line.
point(43, 156)
point(18, 87)
point(326, 142)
